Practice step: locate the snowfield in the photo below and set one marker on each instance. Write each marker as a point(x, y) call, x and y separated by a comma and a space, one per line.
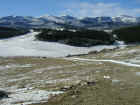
point(28, 96)
point(26, 45)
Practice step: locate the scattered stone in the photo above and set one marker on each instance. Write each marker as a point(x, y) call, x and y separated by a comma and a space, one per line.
point(74, 96)
point(3, 94)
point(82, 83)
point(91, 83)
point(44, 57)
point(65, 88)
point(93, 52)
point(107, 77)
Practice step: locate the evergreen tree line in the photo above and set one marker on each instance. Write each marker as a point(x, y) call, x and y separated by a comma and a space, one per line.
point(80, 37)
point(129, 34)
point(83, 38)
point(87, 38)
point(6, 32)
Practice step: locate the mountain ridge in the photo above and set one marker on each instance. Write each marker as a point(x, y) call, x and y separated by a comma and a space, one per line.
point(48, 21)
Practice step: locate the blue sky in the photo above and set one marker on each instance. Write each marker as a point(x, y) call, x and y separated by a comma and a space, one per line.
point(78, 8)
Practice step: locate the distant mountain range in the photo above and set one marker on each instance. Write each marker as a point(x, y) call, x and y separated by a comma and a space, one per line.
point(68, 22)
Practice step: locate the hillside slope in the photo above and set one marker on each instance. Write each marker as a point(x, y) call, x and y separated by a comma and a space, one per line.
point(27, 45)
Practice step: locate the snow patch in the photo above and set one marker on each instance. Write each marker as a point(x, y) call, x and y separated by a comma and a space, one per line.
point(9, 66)
point(26, 45)
point(28, 96)
point(138, 73)
point(111, 61)
point(115, 81)
point(15, 80)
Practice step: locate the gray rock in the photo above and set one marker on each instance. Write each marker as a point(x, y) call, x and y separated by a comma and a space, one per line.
point(3, 94)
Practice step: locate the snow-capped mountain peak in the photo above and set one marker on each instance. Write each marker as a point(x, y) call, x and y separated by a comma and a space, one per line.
point(49, 21)
point(125, 19)
point(52, 18)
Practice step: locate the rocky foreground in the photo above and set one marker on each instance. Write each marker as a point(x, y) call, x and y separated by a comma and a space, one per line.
point(110, 77)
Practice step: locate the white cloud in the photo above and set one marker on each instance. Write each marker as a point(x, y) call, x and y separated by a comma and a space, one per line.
point(99, 9)
point(138, 1)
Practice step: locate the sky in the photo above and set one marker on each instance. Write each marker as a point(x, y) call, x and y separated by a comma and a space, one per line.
point(77, 8)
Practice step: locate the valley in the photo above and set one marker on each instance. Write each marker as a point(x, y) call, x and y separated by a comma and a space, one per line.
point(70, 52)
point(70, 66)
point(86, 79)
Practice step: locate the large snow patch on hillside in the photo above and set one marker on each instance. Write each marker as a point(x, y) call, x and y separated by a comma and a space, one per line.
point(26, 45)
